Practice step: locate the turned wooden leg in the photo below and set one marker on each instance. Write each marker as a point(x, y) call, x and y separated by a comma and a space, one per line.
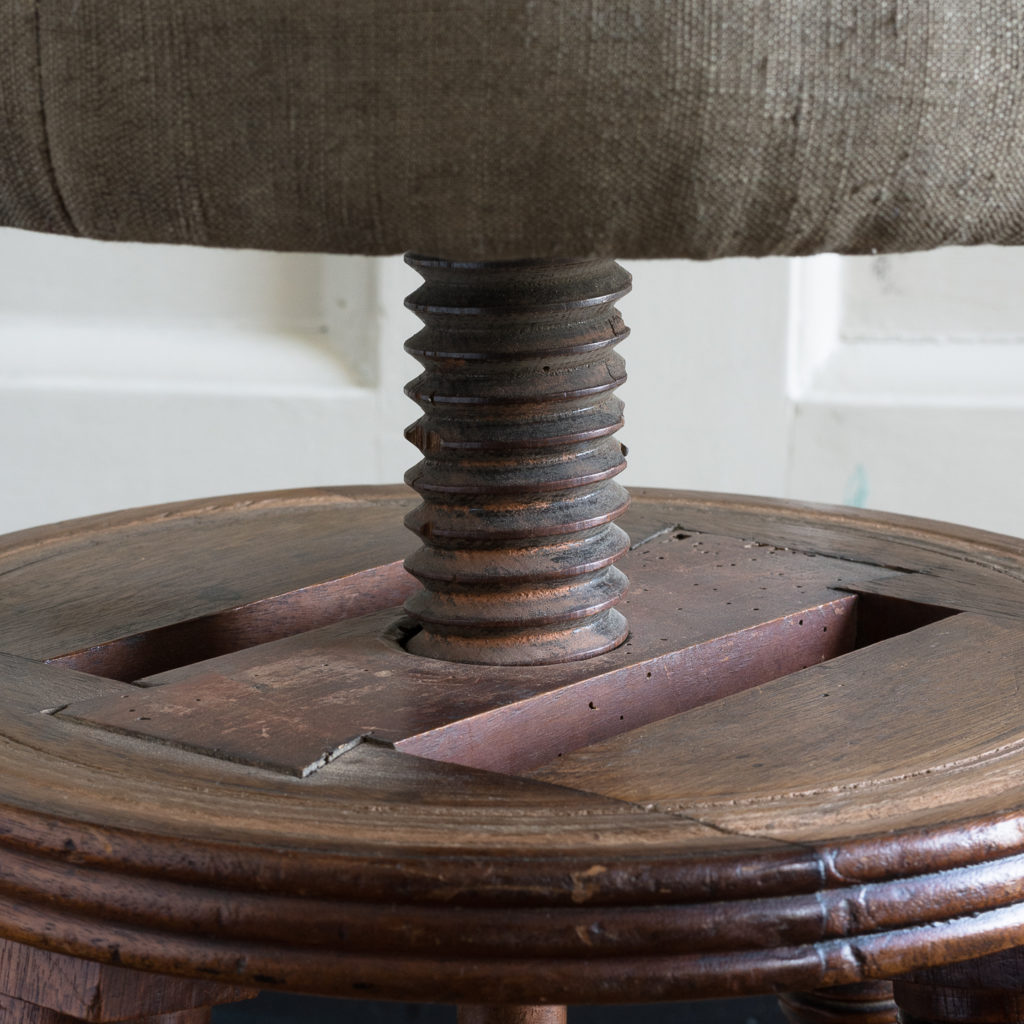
point(869, 1002)
point(39, 987)
point(989, 990)
point(512, 1015)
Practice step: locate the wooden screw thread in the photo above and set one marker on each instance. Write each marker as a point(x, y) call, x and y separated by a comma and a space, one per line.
point(517, 478)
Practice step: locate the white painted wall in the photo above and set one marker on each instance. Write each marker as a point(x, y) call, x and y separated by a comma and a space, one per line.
point(132, 375)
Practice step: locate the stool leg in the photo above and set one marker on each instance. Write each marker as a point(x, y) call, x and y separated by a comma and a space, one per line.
point(512, 1015)
point(869, 1002)
point(989, 990)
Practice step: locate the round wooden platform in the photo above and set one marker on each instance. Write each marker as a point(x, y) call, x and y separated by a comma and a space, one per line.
point(805, 767)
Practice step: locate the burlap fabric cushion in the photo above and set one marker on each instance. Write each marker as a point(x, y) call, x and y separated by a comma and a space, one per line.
point(507, 128)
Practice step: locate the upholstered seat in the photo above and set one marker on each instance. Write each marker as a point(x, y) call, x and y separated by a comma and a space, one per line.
point(515, 128)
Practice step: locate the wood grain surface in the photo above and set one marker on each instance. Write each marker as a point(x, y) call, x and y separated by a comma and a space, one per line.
point(295, 704)
point(87, 991)
point(211, 558)
point(16, 1011)
point(987, 990)
point(854, 819)
point(897, 717)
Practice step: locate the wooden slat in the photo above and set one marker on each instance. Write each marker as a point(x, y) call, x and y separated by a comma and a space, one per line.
point(279, 615)
point(515, 735)
point(926, 713)
point(75, 591)
point(119, 575)
point(168, 647)
point(884, 539)
point(30, 688)
point(195, 581)
point(988, 594)
point(297, 703)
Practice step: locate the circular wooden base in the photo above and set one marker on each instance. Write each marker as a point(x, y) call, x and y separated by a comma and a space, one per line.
point(803, 768)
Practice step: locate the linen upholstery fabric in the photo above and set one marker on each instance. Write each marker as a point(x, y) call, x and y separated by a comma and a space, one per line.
point(516, 128)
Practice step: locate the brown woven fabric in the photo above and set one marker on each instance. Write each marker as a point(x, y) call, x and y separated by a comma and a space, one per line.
point(507, 128)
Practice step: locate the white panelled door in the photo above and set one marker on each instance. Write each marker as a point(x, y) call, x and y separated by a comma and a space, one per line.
point(906, 378)
point(136, 374)
point(139, 374)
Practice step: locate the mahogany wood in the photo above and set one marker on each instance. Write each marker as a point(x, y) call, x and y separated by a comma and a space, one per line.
point(511, 1015)
point(803, 841)
point(869, 1002)
point(519, 460)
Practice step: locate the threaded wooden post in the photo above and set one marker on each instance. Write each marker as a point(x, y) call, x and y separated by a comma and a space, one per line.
point(519, 459)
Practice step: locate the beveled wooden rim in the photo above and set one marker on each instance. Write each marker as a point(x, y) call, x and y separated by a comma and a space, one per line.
point(109, 851)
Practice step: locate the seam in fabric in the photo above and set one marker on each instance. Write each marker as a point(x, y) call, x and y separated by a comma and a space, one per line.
point(65, 212)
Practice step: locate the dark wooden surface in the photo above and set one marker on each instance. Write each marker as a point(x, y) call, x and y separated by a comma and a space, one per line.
point(880, 730)
point(854, 819)
point(290, 704)
point(15, 1011)
point(988, 990)
point(36, 981)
